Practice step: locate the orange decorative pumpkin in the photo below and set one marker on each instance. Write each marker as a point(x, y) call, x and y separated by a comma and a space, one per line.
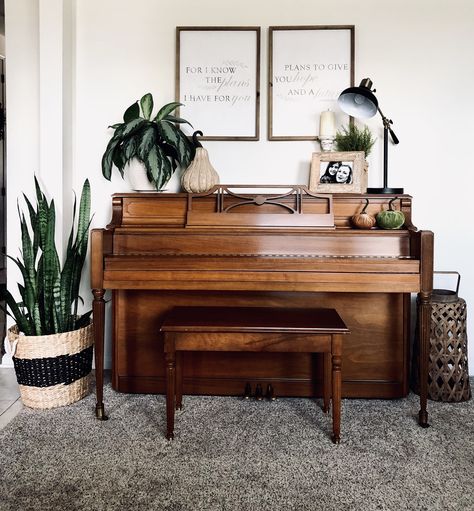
point(363, 220)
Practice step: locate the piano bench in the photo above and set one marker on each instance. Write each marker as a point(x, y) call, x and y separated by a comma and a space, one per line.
point(254, 329)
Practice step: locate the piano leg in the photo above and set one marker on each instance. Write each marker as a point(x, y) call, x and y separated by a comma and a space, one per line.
point(98, 309)
point(327, 372)
point(170, 393)
point(336, 351)
point(424, 314)
point(179, 381)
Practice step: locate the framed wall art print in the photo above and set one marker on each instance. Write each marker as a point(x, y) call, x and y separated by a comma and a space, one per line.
point(309, 66)
point(217, 79)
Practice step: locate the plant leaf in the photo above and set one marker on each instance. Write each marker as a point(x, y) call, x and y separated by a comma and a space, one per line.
point(147, 141)
point(185, 149)
point(147, 105)
point(166, 110)
point(132, 112)
point(177, 120)
point(130, 148)
point(108, 157)
point(51, 271)
point(131, 127)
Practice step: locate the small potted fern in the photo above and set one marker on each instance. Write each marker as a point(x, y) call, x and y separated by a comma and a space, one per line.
point(51, 344)
point(354, 138)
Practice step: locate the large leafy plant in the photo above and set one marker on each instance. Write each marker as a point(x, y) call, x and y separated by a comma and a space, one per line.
point(158, 142)
point(49, 294)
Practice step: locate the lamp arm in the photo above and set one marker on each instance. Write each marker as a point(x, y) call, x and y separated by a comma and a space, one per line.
point(386, 124)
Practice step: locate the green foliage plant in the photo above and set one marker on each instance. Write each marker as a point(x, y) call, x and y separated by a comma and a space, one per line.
point(49, 294)
point(158, 142)
point(354, 138)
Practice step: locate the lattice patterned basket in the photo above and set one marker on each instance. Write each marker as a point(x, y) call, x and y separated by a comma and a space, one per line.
point(52, 370)
point(448, 374)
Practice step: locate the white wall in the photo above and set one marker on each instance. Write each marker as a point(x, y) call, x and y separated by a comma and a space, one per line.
point(117, 50)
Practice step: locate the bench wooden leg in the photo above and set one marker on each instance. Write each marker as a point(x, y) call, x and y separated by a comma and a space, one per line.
point(170, 393)
point(327, 377)
point(179, 381)
point(336, 387)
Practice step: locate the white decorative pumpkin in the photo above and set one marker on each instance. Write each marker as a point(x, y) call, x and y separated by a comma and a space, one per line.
point(200, 176)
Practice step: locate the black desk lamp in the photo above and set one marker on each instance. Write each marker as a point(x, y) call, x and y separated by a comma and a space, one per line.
point(361, 102)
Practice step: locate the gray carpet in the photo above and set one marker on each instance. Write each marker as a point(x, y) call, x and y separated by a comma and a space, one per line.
point(231, 454)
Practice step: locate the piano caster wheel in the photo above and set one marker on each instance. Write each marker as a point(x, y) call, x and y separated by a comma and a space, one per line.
point(247, 391)
point(169, 436)
point(258, 392)
point(100, 412)
point(325, 409)
point(270, 395)
point(336, 439)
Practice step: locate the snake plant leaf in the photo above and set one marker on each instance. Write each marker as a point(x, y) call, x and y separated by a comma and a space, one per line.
point(34, 224)
point(75, 257)
point(21, 320)
point(177, 120)
point(39, 194)
point(166, 110)
point(147, 105)
point(132, 112)
point(51, 267)
point(42, 212)
point(29, 273)
point(83, 320)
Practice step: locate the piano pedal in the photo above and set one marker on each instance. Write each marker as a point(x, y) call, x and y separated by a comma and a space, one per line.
point(270, 395)
point(258, 392)
point(247, 391)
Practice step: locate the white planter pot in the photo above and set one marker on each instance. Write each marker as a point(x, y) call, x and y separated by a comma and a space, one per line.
point(135, 171)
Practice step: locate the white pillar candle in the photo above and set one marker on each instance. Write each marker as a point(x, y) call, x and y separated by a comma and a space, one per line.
point(327, 124)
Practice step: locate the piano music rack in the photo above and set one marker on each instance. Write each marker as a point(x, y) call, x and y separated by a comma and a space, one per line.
point(284, 209)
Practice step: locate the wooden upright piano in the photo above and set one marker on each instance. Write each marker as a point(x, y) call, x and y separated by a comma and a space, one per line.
point(285, 247)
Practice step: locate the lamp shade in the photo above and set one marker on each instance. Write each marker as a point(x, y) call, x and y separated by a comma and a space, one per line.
point(359, 101)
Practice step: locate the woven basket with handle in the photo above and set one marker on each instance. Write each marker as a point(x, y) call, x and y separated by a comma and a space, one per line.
point(52, 370)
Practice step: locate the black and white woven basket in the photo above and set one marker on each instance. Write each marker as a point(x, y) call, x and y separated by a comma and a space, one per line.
point(52, 370)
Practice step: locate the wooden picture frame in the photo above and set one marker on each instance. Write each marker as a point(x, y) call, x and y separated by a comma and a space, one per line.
point(328, 170)
point(218, 81)
point(308, 67)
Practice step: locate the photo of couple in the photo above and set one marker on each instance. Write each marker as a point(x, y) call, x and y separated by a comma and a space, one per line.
point(336, 172)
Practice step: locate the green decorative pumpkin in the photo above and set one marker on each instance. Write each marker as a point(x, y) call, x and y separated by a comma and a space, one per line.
point(390, 219)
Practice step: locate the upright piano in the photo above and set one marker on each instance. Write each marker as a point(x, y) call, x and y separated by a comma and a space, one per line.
point(281, 247)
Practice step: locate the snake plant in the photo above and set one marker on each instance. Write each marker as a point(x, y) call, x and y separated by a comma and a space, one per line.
point(49, 294)
point(157, 142)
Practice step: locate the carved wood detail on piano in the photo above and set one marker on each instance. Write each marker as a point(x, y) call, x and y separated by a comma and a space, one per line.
point(287, 208)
